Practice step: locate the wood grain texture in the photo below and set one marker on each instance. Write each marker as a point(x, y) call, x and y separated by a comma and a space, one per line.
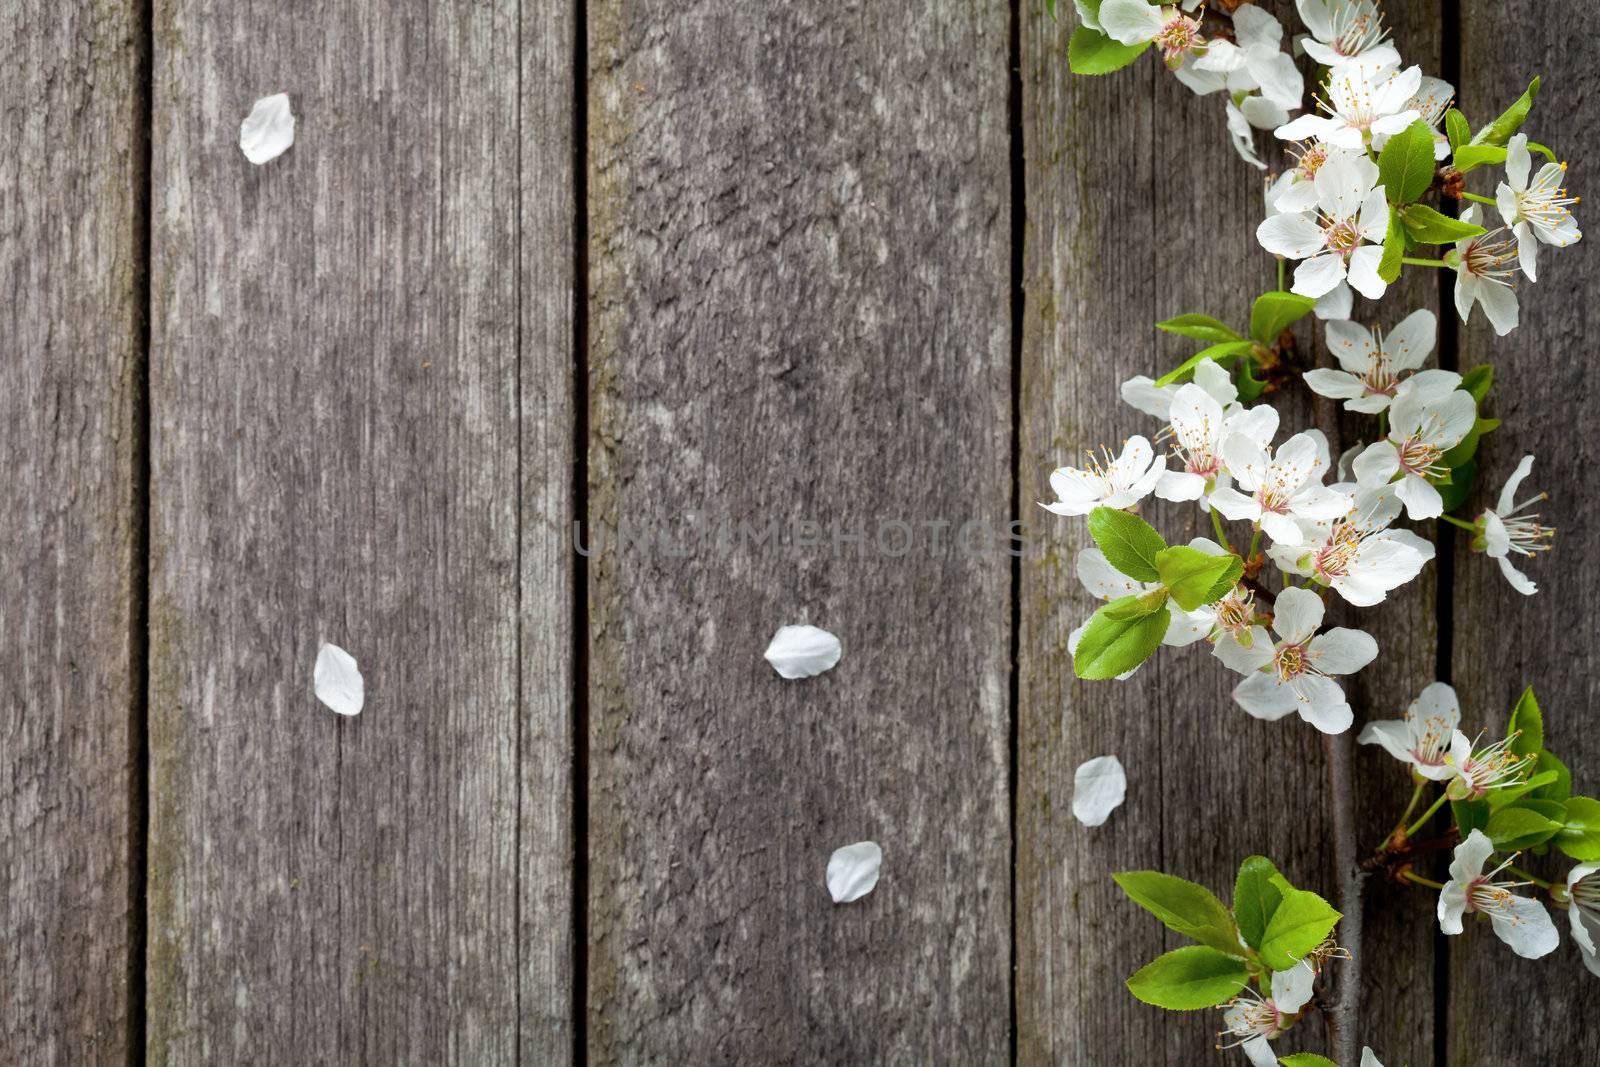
point(1544, 385)
point(799, 310)
point(335, 454)
point(1116, 167)
point(72, 251)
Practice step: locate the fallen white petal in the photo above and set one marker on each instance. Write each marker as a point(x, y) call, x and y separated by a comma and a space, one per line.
point(853, 871)
point(1097, 789)
point(268, 131)
point(338, 680)
point(802, 651)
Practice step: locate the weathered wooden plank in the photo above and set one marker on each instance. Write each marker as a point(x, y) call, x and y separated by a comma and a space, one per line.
point(1136, 213)
point(335, 450)
point(799, 311)
point(72, 258)
point(1543, 384)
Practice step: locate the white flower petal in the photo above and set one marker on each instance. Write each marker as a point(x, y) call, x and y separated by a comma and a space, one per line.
point(1291, 989)
point(1098, 788)
point(1508, 495)
point(1525, 925)
point(1263, 696)
point(1298, 613)
point(1319, 275)
point(853, 871)
point(268, 131)
point(1342, 650)
point(1129, 21)
point(338, 682)
point(802, 651)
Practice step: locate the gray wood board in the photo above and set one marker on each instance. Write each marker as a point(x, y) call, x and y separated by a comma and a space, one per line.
point(799, 238)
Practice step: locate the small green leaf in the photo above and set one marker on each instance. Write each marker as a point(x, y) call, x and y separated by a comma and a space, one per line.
point(1511, 119)
point(1092, 52)
point(1190, 574)
point(1130, 544)
point(1472, 156)
point(1199, 327)
point(1469, 815)
point(1455, 492)
point(1255, 898)
point(1137, 607)
point(1467, 447)
point(1274, 312)
point(1220, 352)
point(1189, 978)
point(1426, 226)
point(1224, 585)
point(1050, 8)
point(1299, 925)
point(1187, 908)
point(1544, 150)
point(1250, 387)
point(1306, 1059)
point(1526, 728)
point(1456, 128)
point(1558, 788)
point(1580, 834)
point(1115, 643)
point(1394, 249)
point(1505, 796)
point(1405, 166)
point(1478, 380)
point(1519, 827)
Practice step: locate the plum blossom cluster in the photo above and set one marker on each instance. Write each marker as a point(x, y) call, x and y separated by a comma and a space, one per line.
point(1377, 182)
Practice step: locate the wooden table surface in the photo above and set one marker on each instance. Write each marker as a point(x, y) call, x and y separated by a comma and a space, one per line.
point(799, 273)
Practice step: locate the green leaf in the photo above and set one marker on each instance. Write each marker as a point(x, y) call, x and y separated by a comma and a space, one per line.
point(1250, 387)
point(1394, 248)
point(1526, 728)
point(1519, 827)
point(1511, 119)
point(1472, 156)
point(1255, 898)
point(1558, 788)
point(1405, 166)
point(1190, 574)
point(1050, 8)
point(1467, 447)
point(1505, 796)
point(1544, 150)
point(1220, 352)
point(1580, 836)
point(1137, 606)
point(1224, 585)
point(1129, 543)
point(1116, 642)
point(1469, 815)
point(1200, 327)
point(1299, 925)
point(1455, 493)
point(1274, 312)
point(1426, 226)
point(1456, 128)
point(1189, 978)
point(1306, 1059)
point(1478, 380)
point(1092, 52)
point(1187, 908)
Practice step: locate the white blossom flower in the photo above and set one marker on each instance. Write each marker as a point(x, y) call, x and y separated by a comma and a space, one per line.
point(1425, 423)
point(1199, 424)
point(1505, 531)
point(1113, 483)
point(1484, 267)
point(1373, 366)
point(1281, 487)
point(1342, 237)
point(1428, 737)
point(1521, 922)
point(1255, 61)
point(1141, 391)
point(1583, 912)
point(1358, 555)
point(1366, 99)
point(1296, 674)
point(1494, 766)
point(1345, 30)
point(1537, 212)
point(1135, 22)
point(1249, 1024)
point(1433, 99)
